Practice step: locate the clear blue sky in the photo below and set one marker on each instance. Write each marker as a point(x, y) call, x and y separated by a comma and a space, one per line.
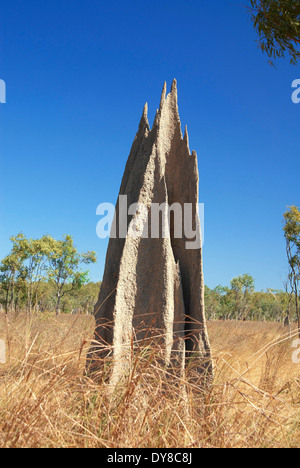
point(78, 75)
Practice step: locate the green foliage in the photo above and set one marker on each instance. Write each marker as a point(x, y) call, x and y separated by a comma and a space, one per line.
point(80, 301)
point(63, 267)
point(41, 271)
point(277, 23)
point(33, 256)
point(242, 302)
point(291, 230)
point(11, 274)
point(243, 284)
point(241, 289)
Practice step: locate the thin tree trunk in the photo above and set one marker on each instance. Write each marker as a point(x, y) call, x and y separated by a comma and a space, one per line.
point(297, 308)
point(58, 304)
point(12, 296)
point(6, 302)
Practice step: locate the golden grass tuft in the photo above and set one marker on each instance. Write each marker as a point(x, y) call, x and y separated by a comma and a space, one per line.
point(47, 401)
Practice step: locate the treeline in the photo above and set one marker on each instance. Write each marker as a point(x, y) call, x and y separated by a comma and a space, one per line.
point(241, 302)
point(78, 301)
point(45, 274)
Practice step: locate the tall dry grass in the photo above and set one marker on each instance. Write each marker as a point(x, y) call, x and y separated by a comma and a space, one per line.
point(47, 401)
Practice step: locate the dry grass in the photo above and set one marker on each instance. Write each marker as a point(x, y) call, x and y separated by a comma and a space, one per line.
point(46, 401)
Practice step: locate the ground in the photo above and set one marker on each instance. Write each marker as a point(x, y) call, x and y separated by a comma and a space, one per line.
point(47, 401)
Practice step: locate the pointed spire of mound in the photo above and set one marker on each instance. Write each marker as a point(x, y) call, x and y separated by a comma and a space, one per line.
point(186, 138)
point(174, 86)
point(163, 95)
point(155, 283)
point(173, 93)
point(144, 124)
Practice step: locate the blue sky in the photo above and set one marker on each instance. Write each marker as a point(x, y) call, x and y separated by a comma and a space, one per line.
point(78, 75)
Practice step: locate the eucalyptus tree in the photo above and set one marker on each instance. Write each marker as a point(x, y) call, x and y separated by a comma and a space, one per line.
point(291, 230)
point(64, 262)
point(277, 23)
point(33, 254)
point(242, 288)
point(11, 271)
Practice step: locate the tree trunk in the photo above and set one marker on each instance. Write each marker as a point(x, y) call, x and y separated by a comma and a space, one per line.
point(12, 296)
point(28, 301)
point(58, 304)
point(297, 309)
point(6, 302)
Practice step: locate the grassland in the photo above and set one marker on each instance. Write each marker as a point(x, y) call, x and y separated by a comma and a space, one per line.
point(47, 401)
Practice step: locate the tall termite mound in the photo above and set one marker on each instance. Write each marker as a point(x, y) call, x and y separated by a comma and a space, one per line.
point(153, 285)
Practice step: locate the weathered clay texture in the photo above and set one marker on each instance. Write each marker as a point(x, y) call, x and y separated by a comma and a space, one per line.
point(155, 283)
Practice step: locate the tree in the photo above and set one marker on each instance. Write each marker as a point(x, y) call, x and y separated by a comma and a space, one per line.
point(42, 271)
point(291, 230)
point(33, 253)
point(63, 270)
point(10, 273)
point(242, 288)
point(277, 23)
